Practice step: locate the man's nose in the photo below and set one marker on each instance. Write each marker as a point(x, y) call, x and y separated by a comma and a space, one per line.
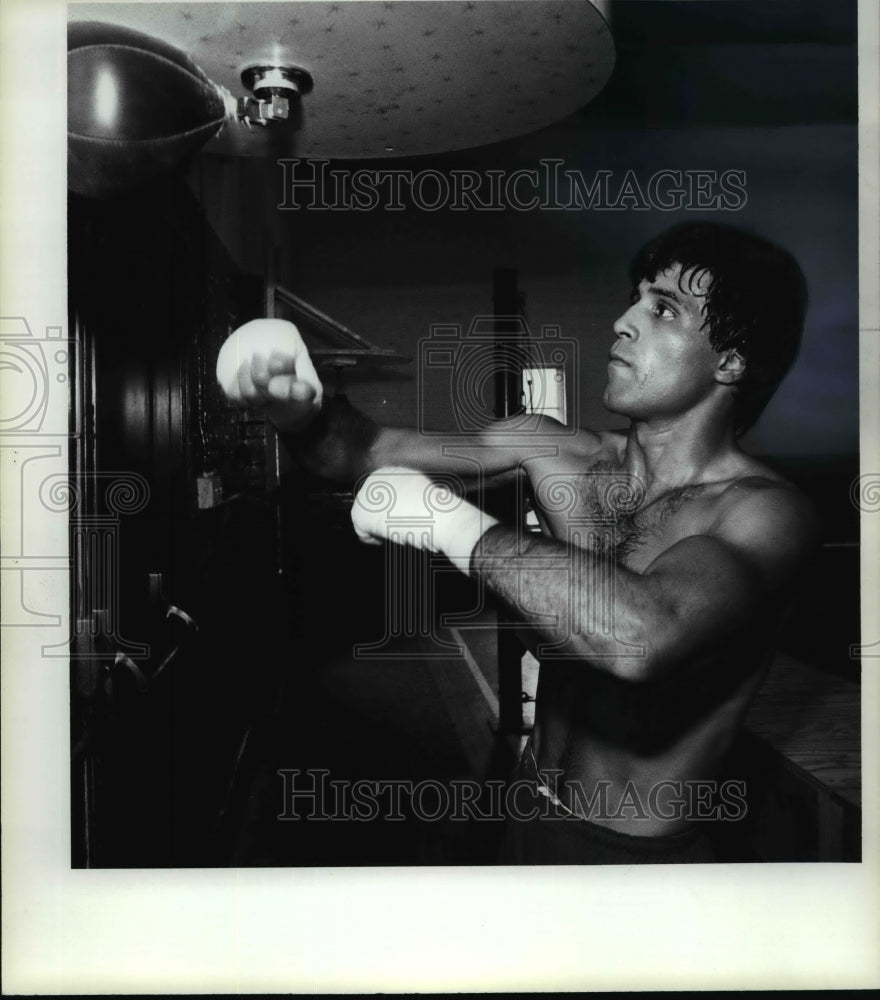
point(624, 325)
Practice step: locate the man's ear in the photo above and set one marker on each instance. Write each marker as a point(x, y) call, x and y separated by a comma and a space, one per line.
point(731, 367)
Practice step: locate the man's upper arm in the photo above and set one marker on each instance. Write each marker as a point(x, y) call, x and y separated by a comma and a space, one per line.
point(714, 587)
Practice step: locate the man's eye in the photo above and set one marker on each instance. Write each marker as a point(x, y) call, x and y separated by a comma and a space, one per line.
point(663, 310)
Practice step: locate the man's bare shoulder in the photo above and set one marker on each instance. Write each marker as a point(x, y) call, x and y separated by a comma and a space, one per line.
point(756, 486)
point(766, 516)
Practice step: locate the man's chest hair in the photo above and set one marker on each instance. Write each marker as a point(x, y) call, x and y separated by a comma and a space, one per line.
point(606, 495)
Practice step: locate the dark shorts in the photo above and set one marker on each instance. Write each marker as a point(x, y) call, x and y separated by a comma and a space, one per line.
point(554, 837)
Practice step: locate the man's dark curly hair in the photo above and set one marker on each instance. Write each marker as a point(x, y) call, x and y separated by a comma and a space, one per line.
point(756, 301)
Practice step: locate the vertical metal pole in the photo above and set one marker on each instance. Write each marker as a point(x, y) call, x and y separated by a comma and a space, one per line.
point(272, 445)
point(508, 383)
point(508, 332)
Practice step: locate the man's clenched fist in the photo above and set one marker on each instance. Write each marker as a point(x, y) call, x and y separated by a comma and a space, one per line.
point(265, 363)
point(404, 506)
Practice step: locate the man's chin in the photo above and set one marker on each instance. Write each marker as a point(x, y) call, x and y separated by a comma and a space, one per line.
point(610, 404)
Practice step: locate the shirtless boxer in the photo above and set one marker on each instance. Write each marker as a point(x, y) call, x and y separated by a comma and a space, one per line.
point(631, 722)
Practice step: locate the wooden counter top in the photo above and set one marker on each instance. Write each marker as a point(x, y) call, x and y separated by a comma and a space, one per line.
point(813, 719)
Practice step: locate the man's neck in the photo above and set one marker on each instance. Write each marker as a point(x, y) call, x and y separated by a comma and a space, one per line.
point(666, 454)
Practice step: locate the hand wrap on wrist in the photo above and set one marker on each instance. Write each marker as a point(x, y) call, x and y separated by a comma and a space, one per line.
point(406, 507)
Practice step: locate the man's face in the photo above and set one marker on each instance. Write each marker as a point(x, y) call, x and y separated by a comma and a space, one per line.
point(662, 364)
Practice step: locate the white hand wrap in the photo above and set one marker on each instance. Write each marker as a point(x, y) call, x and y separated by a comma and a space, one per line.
point(280, 341)
point(404, 506)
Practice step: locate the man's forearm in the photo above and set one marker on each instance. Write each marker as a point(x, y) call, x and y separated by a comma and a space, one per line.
point(581, 602)
point(337, 445)
point(343, 444)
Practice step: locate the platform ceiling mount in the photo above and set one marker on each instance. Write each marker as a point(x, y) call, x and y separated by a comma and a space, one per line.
point(380, 78)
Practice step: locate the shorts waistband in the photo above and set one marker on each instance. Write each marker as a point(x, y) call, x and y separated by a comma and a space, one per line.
point(658, 842)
